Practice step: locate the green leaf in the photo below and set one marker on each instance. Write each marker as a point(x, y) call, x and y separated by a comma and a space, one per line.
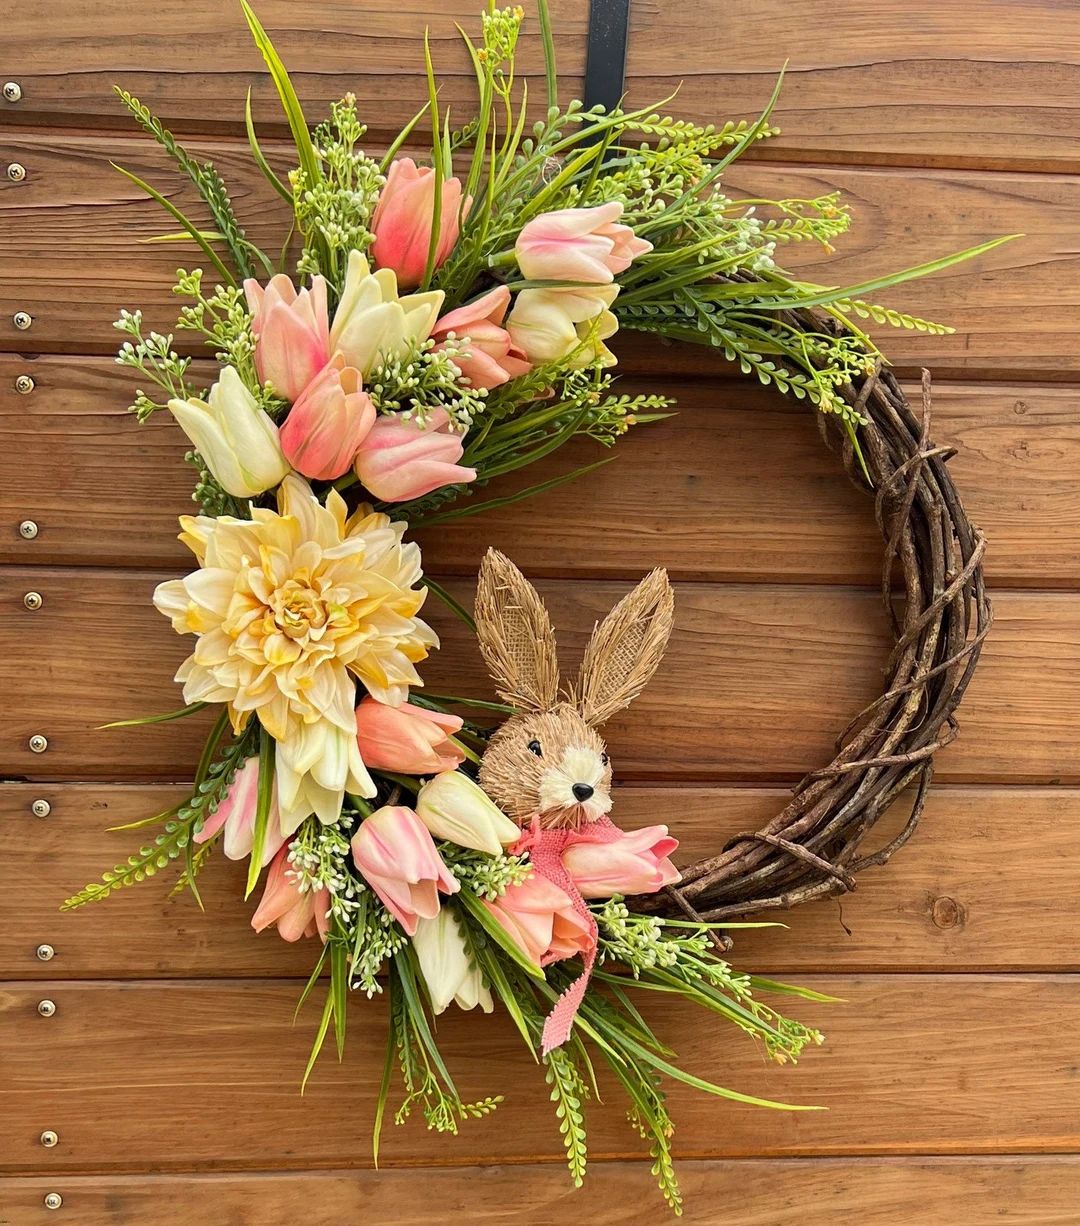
point(551, 75)
point(140, 721)
point(476, 508)
point(260, 160)
point(498, 934)
point(189, 226)
point(320, 1038)
point(453, 605)
point(262, 808)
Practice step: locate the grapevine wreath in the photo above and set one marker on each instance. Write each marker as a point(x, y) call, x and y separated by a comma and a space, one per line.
point(432, 323)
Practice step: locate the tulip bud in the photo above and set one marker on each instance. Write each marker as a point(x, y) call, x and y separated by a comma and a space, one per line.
point(400, 460)
point(542, 920)
point(636, 863)
point(397, 858)
point(404, 216)
point(578, 245)
point(487, 356)
point(292, 332)
point(448, 971)
point(235, 814)
point(236, 439)
point(454, 808)
point(555, 325)
point(296, 914)
point(372, 324)
point(328, 422)
point(407, 738)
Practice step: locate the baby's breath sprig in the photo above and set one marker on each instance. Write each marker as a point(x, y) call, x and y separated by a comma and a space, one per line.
point(334, 214)
point(487, 876)
point(154, 357)
point(425, 379)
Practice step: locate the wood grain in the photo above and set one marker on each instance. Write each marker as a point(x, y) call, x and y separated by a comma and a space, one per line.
point(950, 901)
point(861, 85)
point(1029, 1191)
point(740, 466)
point(772, 672)
point(914, 1064)
point(76, 230)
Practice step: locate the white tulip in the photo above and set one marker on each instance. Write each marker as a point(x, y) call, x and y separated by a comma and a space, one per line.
point(449, 972)
point(551, 325)
point(458, 810)
point(236, 439)
point(372, 324)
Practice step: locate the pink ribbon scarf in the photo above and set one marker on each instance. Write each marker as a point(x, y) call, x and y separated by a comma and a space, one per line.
point(545, 848)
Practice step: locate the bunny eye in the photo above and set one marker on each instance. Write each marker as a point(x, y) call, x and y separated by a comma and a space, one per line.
point(534, 747)
point(604, 759)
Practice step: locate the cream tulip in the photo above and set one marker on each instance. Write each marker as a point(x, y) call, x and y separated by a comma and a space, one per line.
point(236, 439)
point(373, 324)
point(454, 808)
point(555, 325)
point(452, 977)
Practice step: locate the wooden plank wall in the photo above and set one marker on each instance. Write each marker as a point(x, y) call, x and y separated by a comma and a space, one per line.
point(169, 1070)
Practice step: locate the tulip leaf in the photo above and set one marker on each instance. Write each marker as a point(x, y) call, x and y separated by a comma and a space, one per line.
point(339, 987)
point(260, 160)
point(265, 793)
point(188, 225)
point(320, 1038)
point(290, 103)
point(551, 75)
point(139, 721)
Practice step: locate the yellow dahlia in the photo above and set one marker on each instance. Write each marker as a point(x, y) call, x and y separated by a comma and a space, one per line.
point(289, 607)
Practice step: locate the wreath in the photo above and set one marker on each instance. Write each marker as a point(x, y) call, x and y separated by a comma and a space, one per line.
point(429, 326)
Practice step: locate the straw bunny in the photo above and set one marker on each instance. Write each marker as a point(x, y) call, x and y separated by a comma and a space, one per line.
point(546, 766)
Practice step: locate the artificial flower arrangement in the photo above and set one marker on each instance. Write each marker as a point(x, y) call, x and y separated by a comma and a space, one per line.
point(431, 325)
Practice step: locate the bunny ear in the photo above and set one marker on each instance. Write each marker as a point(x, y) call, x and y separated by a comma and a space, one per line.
point(516, 637)
point(625, 649)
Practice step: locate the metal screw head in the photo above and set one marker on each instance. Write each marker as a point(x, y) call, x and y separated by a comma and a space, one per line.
point(16, 172)
point(49, 1138)
point(33, 601)
point(28, 529)
point(12, 91)
point(41, 808)
point(38, 743)
point(53, 1200)
point(24, 384)
point(46, 1007)
point(45, 953)
point(22, 320)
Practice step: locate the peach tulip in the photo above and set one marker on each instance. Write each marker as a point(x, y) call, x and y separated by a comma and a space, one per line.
point(578, 245)
point(398, 859)
point(400, 460)
point(292, 332)
point(407, 738)
point(296, 913)
point(328, 422)
point(637, 863)
point(492, 358)
point(403, 219)
point(542, 920)
point(236, 815)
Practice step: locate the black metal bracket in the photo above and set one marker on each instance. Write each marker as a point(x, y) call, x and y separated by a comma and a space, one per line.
point(605, 59)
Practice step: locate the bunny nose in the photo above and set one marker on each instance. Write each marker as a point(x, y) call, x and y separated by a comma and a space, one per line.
point(582, 791)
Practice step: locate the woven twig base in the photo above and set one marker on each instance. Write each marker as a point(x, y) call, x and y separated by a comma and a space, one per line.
point(813, 847)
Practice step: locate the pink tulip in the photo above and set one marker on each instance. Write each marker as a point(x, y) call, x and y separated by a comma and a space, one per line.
point(403, 218)
point(637, 863)
point(542, 920)
point(407, 738)
point(398, 859)
point(400, 460)
point(236, 813)
point(292, 332)
point(578, 245)
point(492, 357)
point(296, 914)
point(328, 422)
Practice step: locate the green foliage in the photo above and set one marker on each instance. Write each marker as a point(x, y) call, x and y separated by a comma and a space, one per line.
point(154, 358)
point(180, 824)
point(568, 1092)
